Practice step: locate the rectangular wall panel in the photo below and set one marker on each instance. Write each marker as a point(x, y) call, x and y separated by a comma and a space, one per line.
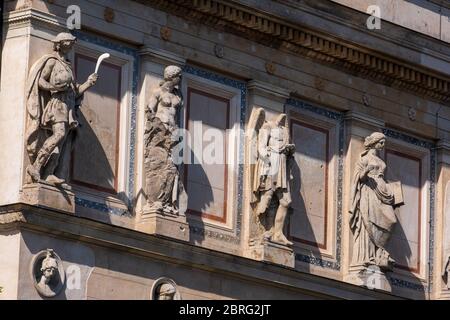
point(96, 148)
point(308, 223)
point(206, 175)
point(405, 242)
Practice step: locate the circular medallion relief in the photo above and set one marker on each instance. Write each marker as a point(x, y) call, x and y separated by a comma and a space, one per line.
point(47, 273)
point(164, 289)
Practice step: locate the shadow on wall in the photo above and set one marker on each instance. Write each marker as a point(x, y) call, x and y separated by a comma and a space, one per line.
point(90, 163)
point(199, 199)
point(299, 204)
point(94, 157)
point(403, 256)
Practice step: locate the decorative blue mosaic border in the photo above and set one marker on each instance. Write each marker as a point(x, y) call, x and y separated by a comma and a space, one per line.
point(315, 109)
point(134, 89)
point(99, 206)
point(409, 139)
point(432, 147)
point(339, 117)
point(406, 284)
point(242, 86)
point(433, 157)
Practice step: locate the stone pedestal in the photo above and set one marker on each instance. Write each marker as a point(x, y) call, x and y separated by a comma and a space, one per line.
point(370, 277)
point(165, 224)
point(49, 196)
point(272, 252)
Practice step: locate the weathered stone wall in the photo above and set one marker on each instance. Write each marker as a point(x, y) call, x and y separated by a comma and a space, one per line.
point(331, 102)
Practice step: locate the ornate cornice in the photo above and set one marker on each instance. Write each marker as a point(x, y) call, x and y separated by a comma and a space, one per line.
point(364, 118)
point(264, 28)
point(162, 56)
point(23, 17)
point(265, 88)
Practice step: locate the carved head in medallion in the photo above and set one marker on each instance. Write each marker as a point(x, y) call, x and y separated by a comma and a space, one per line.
point(165, 289)
point(49, 267)
point(47, 273)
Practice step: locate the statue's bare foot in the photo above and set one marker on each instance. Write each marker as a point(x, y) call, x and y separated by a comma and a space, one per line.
point(34, 174)
point(54, 180)
point(281, 239)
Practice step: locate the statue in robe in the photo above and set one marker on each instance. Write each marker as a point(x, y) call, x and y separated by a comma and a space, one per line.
point(270, 161)
point(373, 200)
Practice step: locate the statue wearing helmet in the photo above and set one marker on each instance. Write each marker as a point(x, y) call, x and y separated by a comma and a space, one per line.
point(52, 96)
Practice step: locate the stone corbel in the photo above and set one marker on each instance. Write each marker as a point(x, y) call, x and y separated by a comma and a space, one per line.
point(24, 18)
point(266, 95)
point(162, 57)
point(361, 124)
point(363, 118)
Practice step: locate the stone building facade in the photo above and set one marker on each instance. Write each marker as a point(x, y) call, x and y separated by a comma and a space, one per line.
point(336, 80)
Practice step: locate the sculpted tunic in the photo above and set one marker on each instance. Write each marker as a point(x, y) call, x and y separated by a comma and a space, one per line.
point(61, 102)
point(271, 167)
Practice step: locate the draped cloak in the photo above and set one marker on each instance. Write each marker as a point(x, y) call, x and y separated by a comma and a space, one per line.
point(372, 216)
point(37, 101)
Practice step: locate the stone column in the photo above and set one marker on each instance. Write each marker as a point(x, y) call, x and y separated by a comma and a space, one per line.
point(153, 63)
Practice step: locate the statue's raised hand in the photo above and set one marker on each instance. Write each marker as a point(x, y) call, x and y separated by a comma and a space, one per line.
point(92, 79)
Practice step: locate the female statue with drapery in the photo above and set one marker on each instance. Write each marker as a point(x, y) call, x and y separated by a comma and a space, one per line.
point(163, 185)
point(373, 200)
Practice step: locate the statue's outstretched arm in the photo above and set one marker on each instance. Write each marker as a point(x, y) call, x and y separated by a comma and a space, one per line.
point(92, 79)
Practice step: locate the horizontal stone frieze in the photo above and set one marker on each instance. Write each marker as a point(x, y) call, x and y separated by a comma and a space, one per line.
point(262, 27)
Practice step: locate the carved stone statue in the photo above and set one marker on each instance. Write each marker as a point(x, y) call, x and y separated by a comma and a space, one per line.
point(161, 174)
point(270, 173)
point(52, 96)
point(48, 273)
point(165, 291)
point(49, 269)
point(373, 201)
